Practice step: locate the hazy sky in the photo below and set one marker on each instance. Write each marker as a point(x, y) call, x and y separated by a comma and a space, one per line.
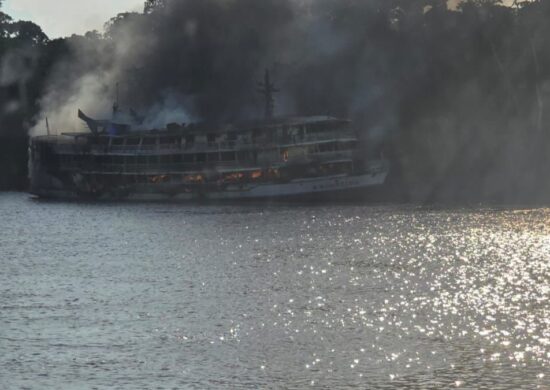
point(60, 18)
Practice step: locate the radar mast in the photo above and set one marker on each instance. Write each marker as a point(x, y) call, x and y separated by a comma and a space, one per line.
point(267, 89)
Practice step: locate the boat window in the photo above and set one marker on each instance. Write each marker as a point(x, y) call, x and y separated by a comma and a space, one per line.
point(119, 160)
point(242, 156)
point(228, 156)
point(150, 141)
point(213, 157)
point(177, 158)
point(326, 147)
point(201, 157)
point(79, 159)
point(189, 139)
point(313, 148)
point(117, 141)
point(301, 132)
point(142, 159)
point(346, 145)
point(165, 159)
point(285, 134)
point(65, 159)
point(151, 160)
point(133, 141)
point(103, 141)
point(104, 160)
point(211, 138)
point(336, 168)
point(188, 158)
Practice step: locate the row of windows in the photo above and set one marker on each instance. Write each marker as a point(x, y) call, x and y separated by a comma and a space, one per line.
point(327, 147)
point(283, 131)
point(197, 178)
point(243, 156)
point(148, 141)
point(240, 156)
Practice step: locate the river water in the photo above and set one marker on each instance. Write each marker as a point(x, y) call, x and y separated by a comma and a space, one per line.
point(168, 296)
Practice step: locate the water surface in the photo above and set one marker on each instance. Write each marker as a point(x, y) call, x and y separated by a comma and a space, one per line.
point(156, 296)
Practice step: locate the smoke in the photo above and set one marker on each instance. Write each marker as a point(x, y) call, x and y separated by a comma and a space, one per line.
point(454, 93)
point(16, 69)
point(169, 109)
point(201, 59)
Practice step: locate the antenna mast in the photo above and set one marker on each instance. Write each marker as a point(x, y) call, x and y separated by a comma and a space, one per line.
point(267, 89)
point(115, 104)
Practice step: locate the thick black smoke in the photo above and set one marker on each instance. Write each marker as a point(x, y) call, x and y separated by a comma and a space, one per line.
point(460, 95)
point(201, 60)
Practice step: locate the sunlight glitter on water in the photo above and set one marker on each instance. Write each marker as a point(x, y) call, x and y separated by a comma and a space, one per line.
point(226, 296)
point(486, 282)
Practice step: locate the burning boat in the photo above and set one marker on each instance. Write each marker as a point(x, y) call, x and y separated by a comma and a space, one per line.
point(273, 158)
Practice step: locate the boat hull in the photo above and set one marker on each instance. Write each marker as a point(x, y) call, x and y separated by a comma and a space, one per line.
point(334, 187)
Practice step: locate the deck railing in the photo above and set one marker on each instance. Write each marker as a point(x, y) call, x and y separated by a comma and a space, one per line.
point(64, 147)
point(107, 168)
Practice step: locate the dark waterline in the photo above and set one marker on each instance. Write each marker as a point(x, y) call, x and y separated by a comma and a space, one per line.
point(246, 296)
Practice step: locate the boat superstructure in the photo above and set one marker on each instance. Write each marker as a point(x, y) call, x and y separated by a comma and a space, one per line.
point(282, 157)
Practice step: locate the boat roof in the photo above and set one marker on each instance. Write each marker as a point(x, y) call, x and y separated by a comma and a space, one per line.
point(205, 127)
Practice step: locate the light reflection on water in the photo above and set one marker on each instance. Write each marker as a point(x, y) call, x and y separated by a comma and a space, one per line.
point(172, 296)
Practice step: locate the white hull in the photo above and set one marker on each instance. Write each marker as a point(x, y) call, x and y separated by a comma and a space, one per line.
point(323, 186)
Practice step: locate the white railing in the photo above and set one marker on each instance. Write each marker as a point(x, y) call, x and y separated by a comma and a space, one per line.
point(108, 168)
point(198, 147)
point(328, 137)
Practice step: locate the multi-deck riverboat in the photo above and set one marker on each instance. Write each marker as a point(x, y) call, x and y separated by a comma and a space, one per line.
point(272, 158)
point(285, 157)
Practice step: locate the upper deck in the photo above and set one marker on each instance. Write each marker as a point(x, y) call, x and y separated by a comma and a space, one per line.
point(276, 134)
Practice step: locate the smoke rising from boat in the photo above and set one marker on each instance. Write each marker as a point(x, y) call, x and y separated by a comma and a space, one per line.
point(456, 129)
point(208, 55)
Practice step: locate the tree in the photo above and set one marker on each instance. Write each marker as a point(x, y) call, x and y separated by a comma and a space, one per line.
point(119, 23)
point(151, 5)
point(5, 20)
point(28, 32)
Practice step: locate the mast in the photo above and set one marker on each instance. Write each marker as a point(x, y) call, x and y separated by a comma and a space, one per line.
point(115, 104)
point(267, 89)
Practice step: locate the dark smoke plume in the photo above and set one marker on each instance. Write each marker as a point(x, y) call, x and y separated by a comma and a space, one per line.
point(458, 94)
point(201, 59)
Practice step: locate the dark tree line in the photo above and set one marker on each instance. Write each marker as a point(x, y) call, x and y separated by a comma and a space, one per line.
point(26, 55)
point(456, 96)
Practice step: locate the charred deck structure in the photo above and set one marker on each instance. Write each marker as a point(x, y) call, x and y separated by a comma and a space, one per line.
point(287, 157)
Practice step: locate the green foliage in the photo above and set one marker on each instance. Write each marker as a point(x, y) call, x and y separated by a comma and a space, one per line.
point(23, 48)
